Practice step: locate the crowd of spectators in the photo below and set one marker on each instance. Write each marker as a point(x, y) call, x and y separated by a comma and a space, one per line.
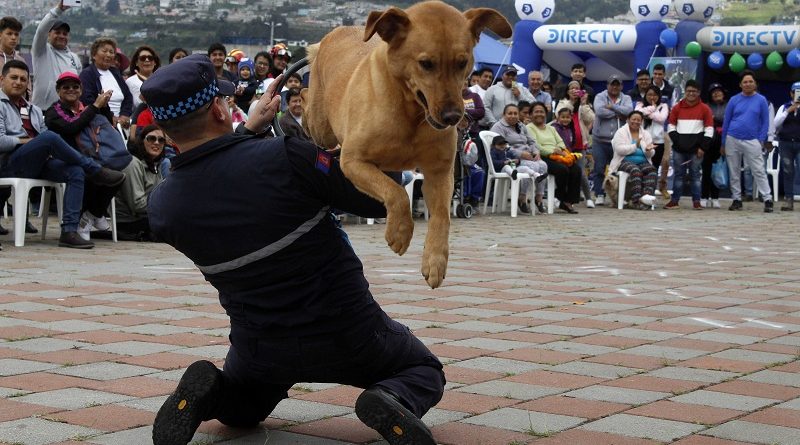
point(89, 127)
point(569, 131)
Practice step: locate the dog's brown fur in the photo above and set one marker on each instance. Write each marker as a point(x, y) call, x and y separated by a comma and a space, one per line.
point(366, 93)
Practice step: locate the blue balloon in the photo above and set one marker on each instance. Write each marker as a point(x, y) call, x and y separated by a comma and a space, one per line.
point(716, 60)
point(793, 58)
point(755, 61)
point(668, 38)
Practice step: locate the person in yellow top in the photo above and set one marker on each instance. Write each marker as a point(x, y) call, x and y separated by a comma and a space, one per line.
point(555, 155)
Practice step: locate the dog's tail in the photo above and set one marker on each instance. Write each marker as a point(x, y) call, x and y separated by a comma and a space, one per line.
point(311, 53)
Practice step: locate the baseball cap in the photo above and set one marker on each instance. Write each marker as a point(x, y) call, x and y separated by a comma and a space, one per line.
point(498, 140)
point(613, 78)
point(67, 76)
point(796, 86)
point(510, 69)
point(183, 87)
point(60, 24)
point(715, 86)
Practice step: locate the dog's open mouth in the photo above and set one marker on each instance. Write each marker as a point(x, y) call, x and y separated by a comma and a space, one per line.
point(428, 117)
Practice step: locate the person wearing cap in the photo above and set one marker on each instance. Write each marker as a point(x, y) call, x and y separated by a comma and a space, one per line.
point(101, 75)
point(787, 125)
point(294, 289)
point(507, 91)
point(29, 150)
point(745, 132)
point(718, 100)
point(51, 56)
point(611, 110)
point(68, 118)
point(217, 54)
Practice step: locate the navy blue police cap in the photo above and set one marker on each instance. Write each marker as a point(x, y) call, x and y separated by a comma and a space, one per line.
point(183, 87)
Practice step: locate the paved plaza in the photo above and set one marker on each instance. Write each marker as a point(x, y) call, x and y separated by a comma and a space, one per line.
point(606, 327)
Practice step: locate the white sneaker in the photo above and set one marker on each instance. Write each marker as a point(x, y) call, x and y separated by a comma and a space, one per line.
point(600, 200)
point(85, 226)
point(101, 223)
point(703, 203)
point(647, 200)
point(589, 204)
point(715, 203)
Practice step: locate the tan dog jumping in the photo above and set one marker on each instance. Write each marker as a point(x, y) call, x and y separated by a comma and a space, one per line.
point(393, 103)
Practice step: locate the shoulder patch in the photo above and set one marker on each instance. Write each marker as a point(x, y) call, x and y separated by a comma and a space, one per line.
point(324, 160)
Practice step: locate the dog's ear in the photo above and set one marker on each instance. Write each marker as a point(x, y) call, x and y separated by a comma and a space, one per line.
point(391, 25)
point(482, 18)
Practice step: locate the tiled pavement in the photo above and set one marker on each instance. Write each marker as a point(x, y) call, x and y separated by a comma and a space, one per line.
point(601, 328)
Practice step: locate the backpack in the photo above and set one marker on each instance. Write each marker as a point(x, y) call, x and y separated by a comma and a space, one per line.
point(101, 141)
point(469, 154)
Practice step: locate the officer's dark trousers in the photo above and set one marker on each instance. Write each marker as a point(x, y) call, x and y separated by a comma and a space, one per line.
point(381, 353)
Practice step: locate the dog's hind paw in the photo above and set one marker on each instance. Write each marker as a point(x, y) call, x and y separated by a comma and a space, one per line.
point(399, 231)
point(433, 269)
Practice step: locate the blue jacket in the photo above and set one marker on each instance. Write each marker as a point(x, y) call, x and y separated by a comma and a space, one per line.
point(266, 240)
point(746, 118)
point(90, 82)
point(11, 125)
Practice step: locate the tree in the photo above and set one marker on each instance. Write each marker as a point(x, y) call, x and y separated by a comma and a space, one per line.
point(112, 7)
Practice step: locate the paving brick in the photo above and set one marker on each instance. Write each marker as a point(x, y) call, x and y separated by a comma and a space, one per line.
point(583, 437)
point(753, 356)
point(525, 421)
point(104, 371)
point(339, 428)
point(706, 440)
point(724, 400)
point(571, 406)
point(665, 352)
point(722, 364)
point(132, 348)
point(756, 389)
point(775, 378)
point(539, 355)
point(36, 431)
point(11, 366)
point(756, 433)
point(490, 344)
point(305, 411)
point(594, 369)
point(617, 395)
point(498, 365)
point(685, 412)
point(459, 433)
point(105, 418)
point(11, 409)
point(549, 378)
point(645, 427)
point(692, 374)
point(472, 403)
point(512, 390)
point(71, 398)
point(775, 416)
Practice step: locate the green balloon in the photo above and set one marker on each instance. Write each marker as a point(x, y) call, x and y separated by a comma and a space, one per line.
point(737, 63)
point(774, 61)
point(693, 49)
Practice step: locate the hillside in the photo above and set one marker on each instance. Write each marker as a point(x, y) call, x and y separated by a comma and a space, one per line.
point(566, 11)
point(759, 12)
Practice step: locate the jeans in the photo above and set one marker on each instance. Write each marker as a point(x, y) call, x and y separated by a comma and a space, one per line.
point(680, 163)
point(749, 152)
point(790, 156)
point(48, 157)
point(603, 153)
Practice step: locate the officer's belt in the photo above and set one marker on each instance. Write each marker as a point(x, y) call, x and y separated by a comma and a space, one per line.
point(266, 251)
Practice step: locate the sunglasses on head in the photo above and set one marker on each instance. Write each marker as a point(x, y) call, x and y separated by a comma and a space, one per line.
point(151, 138)
point(146, 58)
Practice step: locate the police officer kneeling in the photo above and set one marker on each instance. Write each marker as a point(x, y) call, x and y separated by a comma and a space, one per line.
point(253, 215)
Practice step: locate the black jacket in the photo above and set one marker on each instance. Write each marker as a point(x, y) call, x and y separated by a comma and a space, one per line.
point(253, 215)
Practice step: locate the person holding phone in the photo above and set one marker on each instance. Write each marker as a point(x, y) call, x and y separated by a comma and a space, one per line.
point(51, 56)
point(787, 126)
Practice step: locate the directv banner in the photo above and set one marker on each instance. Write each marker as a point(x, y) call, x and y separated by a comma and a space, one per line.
point(749, 39)
point(586, 37)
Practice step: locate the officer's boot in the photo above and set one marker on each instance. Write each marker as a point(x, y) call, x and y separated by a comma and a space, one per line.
point(193, 399)
point(381, 411)
point(789, 205)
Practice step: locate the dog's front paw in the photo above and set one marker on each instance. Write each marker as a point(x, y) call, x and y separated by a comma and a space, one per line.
point(399, 230)
point(434, 267)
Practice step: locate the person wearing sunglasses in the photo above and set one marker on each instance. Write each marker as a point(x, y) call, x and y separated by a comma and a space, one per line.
point(144, 62)
point(141, 176)
point(69, 118)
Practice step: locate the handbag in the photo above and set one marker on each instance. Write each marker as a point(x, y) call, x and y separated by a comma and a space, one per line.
point(719, 173)
point(101, 141)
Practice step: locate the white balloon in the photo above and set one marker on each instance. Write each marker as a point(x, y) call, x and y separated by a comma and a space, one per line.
point(538, 10)
point(695, 10)
point(650, 10)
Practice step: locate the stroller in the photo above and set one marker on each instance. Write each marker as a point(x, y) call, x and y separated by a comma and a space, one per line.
point(466, 156)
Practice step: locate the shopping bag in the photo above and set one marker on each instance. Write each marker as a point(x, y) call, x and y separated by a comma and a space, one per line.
point(719, 173)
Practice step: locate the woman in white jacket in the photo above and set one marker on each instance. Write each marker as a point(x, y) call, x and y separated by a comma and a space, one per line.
point(655, 117)
point(633, 152)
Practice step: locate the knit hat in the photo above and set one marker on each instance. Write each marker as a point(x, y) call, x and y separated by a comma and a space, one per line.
point(245, 62)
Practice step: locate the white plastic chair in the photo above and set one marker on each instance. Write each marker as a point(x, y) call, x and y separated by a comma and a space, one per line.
point(124, 133)
point(20, 187)
point(623, 183)
point(500, 179)
point(410, 191)
point(774, 170)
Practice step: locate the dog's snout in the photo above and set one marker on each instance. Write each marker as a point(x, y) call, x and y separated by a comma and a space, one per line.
point(451, 117)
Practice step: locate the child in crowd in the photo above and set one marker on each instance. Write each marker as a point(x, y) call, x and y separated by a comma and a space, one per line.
point(503, 163)
point(246, 86)
point(293, 81)
point(565, 127)
point(237, 115)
